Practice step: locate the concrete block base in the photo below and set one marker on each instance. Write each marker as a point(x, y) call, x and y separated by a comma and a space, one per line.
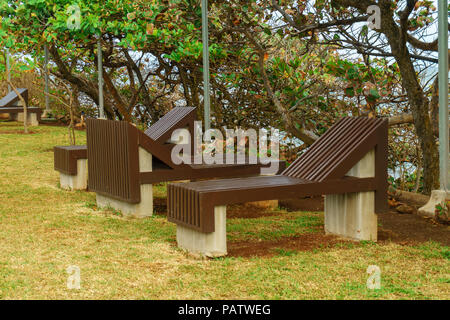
point(351, 215)
point(138, 210)
point(437, 197)
point(78, 182)
point(210, 245)
point(32, 118)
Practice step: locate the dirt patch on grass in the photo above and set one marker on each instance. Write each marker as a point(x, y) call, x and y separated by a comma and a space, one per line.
point(411, 229)
point(249, 211)
point(60, 124)
point(285, 246)
point(16, 132)
point(313, 204)
point(396, 227)
point(160, 206)
point(403, 229)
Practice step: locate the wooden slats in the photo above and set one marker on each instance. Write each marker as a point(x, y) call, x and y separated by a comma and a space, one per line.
point(243, 183)
point(183, 206)
point(339, 152)
point(113, 159)
point(208, 194)
point(65, 158)
point(334, 148)
point(177, 118)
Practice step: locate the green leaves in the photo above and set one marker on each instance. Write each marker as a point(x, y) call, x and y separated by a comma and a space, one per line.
point(360, 78)
point(373, 95)
point(350, 92)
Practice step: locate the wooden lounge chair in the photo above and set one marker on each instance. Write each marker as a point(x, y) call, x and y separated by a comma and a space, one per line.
point(348, 164)
point(124, 162)
point(71, 161)
point(11, 105)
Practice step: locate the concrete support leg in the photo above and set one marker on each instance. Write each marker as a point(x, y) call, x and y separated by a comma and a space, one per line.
point(437, 197)
point(143, 209)
point(78, 182)
point(352, 215)
point(32, 118)
point(210, 245)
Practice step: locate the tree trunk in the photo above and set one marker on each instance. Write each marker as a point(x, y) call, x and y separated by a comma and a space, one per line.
point(25, 106)
point(419, 103)
point(397, 38)
point(409, 197)
point(401, 119)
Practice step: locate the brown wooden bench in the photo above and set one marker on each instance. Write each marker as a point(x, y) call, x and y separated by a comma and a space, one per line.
point(68, 158)
point(124, 162)
point(348, 164)
point(71, 162)
point(10, 104)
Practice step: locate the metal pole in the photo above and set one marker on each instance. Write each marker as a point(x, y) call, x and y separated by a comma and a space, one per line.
point(443, 94)
point(206, 78)
point(100, 79)
point(8, 69)
point(46, 76)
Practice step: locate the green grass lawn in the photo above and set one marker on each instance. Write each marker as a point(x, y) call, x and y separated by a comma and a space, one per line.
point(44, 230)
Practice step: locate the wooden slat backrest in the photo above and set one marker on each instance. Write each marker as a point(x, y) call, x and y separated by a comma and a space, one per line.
point(177, 118)
point(113, 159)
point(113, 153)
point(339, 149)
point(11, 98)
